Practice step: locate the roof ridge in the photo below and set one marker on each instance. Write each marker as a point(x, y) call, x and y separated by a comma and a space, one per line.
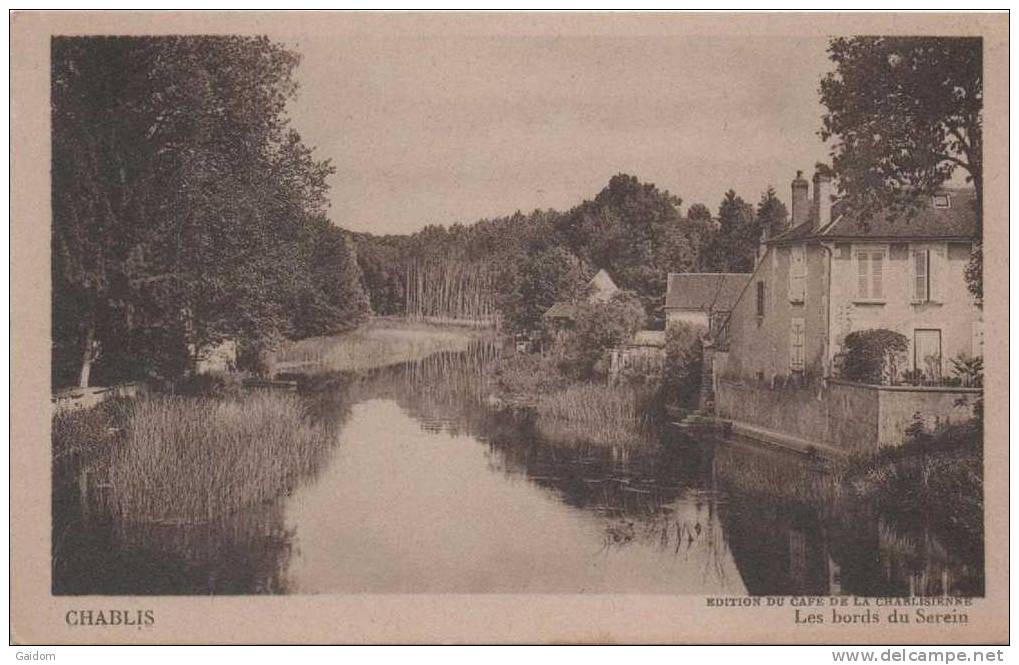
point(709, 273)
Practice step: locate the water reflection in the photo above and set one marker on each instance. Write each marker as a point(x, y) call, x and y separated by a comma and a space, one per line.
point(407, 509)
point(431, 488)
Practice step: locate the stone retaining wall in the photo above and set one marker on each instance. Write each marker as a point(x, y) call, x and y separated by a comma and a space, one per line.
point(848, 416)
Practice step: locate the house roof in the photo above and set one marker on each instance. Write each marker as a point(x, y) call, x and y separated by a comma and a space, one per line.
point(958, 220)
point(716, 291)
point(561, 310)
point(601, 287)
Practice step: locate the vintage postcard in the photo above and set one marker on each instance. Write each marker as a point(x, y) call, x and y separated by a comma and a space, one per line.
point(509, 327)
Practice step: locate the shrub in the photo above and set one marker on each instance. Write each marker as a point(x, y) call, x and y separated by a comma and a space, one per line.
point(522, 377)
point(212, 384)
point(684, 358)
point(969, 369)
point(874, 356)
point(598, 328)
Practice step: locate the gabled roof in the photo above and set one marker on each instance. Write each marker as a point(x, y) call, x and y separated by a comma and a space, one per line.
point(561, 310)
point(958, 220)
point(601, 287)
point(704, 291)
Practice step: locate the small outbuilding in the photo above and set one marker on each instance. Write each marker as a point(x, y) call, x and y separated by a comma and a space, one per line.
point(643, 354)
point(702, 299)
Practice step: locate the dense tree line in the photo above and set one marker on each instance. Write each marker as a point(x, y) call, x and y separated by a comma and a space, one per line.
point(631, 229)
point(186, 210)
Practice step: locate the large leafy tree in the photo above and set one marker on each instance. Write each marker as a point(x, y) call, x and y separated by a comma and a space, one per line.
point(623, 230)
point(904, 114)
point(183, 202)
point(545, 278)
point(733, 246)
point(698, 212)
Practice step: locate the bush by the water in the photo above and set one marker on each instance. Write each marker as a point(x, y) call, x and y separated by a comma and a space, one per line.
point(211, 384)
point(591, 411)
point(186, 459)
point(521, 378)
point(684, 358)
point(599, 327)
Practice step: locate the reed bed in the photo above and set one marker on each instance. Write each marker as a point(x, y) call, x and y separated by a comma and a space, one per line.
point(371, 347)
point(187, 460)
point(594, 413)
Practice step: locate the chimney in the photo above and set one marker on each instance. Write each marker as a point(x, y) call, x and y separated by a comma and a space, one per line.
point(801, 202)
point(822, 200)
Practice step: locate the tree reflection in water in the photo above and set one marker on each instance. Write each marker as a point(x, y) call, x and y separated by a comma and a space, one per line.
point(731, 509)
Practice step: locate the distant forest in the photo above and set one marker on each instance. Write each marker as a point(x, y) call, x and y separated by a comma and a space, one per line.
point(631, 229)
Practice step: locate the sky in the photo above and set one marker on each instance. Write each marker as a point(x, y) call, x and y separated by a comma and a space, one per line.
point(445, 129)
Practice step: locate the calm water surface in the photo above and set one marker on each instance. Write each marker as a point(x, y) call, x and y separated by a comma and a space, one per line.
point(430, 489)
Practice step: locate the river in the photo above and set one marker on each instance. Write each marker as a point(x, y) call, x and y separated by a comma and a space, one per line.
point(430, 489)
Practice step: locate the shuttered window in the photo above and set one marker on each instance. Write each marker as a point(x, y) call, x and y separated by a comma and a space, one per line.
point(797, 273)
point(870, 274)
point(796, 342)
point(760, 298)
point(921, 276)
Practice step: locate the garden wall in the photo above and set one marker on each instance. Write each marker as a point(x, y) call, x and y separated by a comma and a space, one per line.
point(848, 416)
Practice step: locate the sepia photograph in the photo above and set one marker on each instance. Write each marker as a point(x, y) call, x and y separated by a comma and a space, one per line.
point(586, 314)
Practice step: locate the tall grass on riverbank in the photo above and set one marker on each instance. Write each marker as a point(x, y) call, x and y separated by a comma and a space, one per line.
point(572, 411)
point(592, 412)
point(186, 460)
point(376, 345)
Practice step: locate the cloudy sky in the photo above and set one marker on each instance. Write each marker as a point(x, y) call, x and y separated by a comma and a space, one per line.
point(438, 129)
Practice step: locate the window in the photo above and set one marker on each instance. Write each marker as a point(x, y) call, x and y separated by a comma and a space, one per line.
point(797, 273)
point(941, 201)
point(870, 274)
point(927, 353)
point(922, 276)
point(796, 338)
point(760, 298)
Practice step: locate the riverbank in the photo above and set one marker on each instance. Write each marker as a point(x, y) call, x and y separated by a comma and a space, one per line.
point(570, 410)
point(213, 445)
point(425, 439)
point(174, 459)
point(379, 343)
point(932, 486)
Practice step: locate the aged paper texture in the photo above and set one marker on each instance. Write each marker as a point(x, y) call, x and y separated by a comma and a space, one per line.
point(294, 363)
